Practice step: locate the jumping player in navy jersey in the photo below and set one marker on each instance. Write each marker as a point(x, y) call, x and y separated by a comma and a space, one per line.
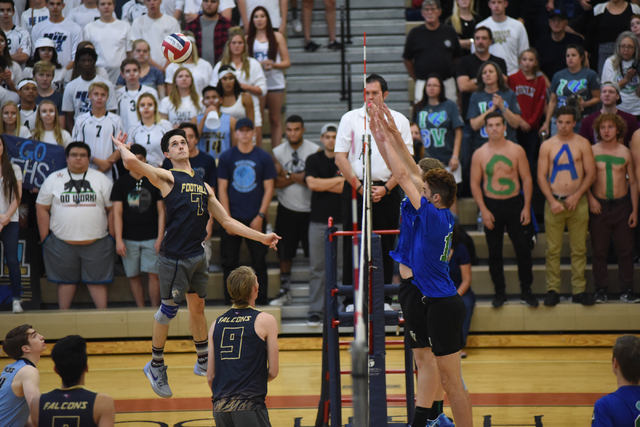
point(622, 407)
point(182, 264)
point(431, 239)
point(243, 356)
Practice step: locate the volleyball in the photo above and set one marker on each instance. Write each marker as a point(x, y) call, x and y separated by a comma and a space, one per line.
point(176, 48)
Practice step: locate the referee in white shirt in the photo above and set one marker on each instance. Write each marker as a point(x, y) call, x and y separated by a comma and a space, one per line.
point(385, 190)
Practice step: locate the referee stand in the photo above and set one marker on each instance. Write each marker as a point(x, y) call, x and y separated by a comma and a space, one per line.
point(375, 319)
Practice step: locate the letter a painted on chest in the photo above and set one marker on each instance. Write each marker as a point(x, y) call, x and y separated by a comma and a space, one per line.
point(570, 166)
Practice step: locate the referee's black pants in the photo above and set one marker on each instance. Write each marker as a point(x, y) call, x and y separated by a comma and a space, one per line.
point(384, 216)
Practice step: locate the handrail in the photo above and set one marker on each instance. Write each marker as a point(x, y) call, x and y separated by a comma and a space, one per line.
point(345, 67)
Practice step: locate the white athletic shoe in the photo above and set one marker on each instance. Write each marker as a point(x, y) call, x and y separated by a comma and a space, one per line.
point(199, 370)
point(158, 379)
point(17, 306)
point(387, 307)
point(349, 308)
point(297, 26)
point(284, 299)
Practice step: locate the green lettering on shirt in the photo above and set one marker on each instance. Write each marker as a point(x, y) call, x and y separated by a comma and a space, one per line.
point(511, 186)
point(609, 161)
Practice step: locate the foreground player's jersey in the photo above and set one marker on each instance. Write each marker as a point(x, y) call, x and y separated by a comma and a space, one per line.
point(67, 407)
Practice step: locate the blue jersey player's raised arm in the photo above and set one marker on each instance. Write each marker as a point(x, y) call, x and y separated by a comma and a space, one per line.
point(429, 258)
point(182, 264)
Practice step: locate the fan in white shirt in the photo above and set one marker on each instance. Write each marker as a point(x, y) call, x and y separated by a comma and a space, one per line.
point(132, 10)
point(253, 81)
point(47, 128)
point(65, 33)
point(201, 70)
point(76, 100)
point(37, 13)
point(11, 123)
point(11, 72)
point(128, 95)
point(95, 129)
point(86, 13)
point(183, 103)
point(18, 38)
point(149, 129)
point(154, 27)
point(45, 50)
point(111, 37)
point(28, 93)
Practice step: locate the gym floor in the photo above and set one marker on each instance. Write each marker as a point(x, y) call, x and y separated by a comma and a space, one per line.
point(511, 385)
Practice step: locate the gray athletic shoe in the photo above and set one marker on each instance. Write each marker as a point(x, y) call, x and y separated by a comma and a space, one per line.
point(200, 370)
point(158, 379)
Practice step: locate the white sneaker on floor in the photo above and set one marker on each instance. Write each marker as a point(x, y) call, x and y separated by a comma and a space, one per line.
point(17, 306)
point(349, 308)
point(387, 307)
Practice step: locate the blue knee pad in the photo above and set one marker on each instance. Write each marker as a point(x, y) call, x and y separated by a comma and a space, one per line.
point(166, 312)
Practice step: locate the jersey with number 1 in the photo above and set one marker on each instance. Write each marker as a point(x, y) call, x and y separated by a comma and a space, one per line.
point(432, 232)
point(240, 381)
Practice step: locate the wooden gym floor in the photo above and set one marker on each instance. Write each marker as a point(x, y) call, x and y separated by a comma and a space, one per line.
point(512, 385)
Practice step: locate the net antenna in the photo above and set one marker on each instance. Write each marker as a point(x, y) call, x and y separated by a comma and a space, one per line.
point(362, 265)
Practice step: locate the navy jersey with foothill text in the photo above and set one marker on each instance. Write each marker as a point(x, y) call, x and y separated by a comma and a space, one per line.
point(187, 216)
point(241, 369)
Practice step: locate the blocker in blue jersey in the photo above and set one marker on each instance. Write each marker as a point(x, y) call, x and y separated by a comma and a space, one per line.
point(622, 407)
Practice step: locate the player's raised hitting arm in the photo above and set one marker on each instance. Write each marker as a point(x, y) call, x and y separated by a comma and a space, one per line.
point(383, 133)
point(397, 143)
point(160, 178)
point(236, 227)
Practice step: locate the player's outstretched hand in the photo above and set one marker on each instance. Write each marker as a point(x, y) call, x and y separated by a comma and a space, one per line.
point(271, 240)
point(121, 140)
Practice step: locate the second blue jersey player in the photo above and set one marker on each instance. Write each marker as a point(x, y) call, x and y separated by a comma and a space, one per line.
point(432, 229)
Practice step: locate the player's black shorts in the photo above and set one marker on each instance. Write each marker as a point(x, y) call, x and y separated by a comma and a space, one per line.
point(414, 312)
point(445, 317)
point(293, 227)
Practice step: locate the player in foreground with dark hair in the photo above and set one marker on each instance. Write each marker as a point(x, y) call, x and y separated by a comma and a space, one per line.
point(622, 407)
point(431, 241)
point(20, 380)
point(182, 264)
point(72, 404)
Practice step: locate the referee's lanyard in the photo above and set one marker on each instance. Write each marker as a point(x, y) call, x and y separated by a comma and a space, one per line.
point(78, 189)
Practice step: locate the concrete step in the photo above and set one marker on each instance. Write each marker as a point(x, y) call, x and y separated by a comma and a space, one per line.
point(357, 68)
point(363, 4)
point(539, 251)
point(329, 112)
point(119, 291)
point(296, 98)
point(390, 26)
point(353, 54)
point(356, 42)
point(482, 285)
point(307, 84)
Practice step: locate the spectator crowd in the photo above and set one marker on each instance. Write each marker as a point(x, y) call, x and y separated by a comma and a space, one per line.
point(526, 97)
